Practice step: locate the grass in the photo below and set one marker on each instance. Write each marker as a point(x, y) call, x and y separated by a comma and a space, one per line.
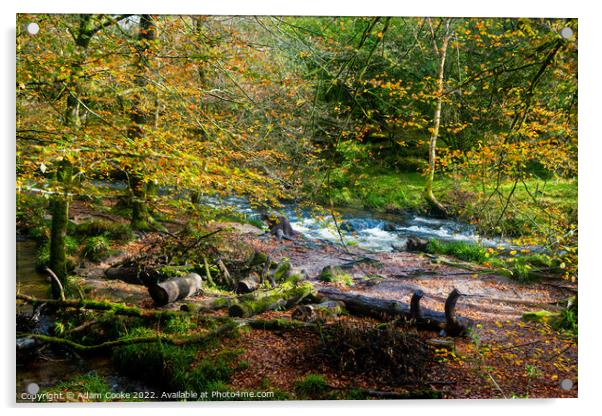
point(464, 251)
point(378, 189)
point(520, 267)
point(387, 190)
point(333, 274)
point(114, 231)
point(87, 387)
point(177, 368)
point(96, 248)
point(312, 386)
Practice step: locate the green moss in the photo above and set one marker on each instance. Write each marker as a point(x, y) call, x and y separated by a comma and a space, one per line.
point(112, 230)
point(464, 251)
point(179, 271)
point(43, 253)
point(539, 316)
point(258, 258)
point(96, 248)
point(87, 387)
point(177, 368)
point(312, 386)
point(333, 274)
point(282, 271)
point(179, 325)
point(249, 305)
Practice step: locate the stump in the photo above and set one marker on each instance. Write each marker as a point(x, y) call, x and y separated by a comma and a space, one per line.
point(248, 284)
point(175, 289)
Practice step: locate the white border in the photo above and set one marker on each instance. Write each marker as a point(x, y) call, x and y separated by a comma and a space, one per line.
point(590, 155)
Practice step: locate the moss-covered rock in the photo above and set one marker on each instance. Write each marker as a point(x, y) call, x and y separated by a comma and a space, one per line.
point(334, 274)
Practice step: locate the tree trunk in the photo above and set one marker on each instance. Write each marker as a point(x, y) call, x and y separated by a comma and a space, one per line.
point(141, 117)
point(175, 289)
point(392, 309)
point(72, 120)
point(441, 53)
point(279, 298)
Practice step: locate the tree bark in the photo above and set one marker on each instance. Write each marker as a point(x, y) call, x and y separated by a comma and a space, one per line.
point(442, 54)
point(60, 201)
point(141, 118)
point(175, 289)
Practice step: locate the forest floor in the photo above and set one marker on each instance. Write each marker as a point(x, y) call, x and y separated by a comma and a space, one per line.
point(504, 357)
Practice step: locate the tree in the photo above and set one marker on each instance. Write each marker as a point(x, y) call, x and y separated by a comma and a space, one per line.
point(71, 85)
point(142, 117)
point(441, 53)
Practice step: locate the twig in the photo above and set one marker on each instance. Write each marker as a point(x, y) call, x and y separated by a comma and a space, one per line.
point(58, 282)
point(497, 385)
point(519, 345)
point(81, 327)
point(177, 340)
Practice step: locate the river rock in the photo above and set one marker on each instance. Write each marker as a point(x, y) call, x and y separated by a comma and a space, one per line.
point(416, 244)
point(347, 226)
point(389, 226)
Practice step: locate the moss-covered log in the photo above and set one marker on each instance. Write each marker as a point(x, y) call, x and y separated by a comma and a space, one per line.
point(214, 304)
point(166, 339)
point(132, 274)
point(318, 311)
point(117, 308)
point(283, 297)
point(175, 289)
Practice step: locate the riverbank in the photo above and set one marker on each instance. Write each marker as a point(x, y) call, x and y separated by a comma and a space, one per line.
point(387, 191)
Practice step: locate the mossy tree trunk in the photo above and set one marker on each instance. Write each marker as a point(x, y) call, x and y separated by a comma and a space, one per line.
point(441, 54)
point(142, 116)
point(59, 204)
point(72, 120)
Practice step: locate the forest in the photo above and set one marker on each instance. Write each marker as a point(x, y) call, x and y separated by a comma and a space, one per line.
point(295, 208)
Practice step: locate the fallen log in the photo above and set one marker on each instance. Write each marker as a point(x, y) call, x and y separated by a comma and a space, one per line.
point(412, 314)
point(214, 304)
point(318, 311)
point(132, 274)
point(165, 339)
point(283, 297)
point(175, 289)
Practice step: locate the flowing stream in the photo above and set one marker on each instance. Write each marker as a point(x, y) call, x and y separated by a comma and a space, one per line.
point(50, 369)
point(374, 232)
point(371, 231)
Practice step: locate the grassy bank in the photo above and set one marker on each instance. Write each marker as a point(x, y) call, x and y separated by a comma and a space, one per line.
point(535, 205)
